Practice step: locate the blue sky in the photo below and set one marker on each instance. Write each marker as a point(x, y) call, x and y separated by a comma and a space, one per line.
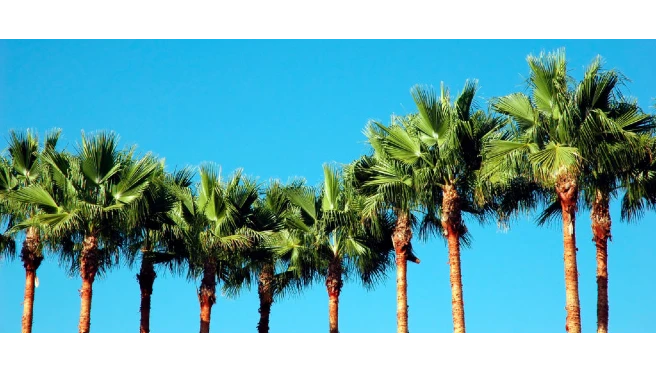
point(280, 109)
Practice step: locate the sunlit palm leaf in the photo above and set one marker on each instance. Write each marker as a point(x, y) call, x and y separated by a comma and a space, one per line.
point(36, 195)
point(98, 156)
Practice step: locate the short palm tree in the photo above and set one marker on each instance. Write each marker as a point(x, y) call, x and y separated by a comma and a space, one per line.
point(23, 169)
point(217, 227)
point(334, 243)
point(86, 205)
point(271, 272)
point(153, 235)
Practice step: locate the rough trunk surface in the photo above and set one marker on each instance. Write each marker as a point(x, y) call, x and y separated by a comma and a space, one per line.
point(454, 228)
point(334, 285)
point(601, 226)
point(32, 259)
point(146, 278)
point(88, 270)
point(207, 296)
point(401, 240)
point(567, 190)
point(265, 292)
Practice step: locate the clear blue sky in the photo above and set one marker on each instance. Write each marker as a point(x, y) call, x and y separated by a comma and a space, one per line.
point(281, 109)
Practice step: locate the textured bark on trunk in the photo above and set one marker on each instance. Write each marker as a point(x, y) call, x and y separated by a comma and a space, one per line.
point(88, 270)
point(207, 296)
point(334, 285)
point(265, 292)
point(146, 278)
point(454, 228)
point(601, 225)
point(567, 191)
point(31, 261)
point(401, 240)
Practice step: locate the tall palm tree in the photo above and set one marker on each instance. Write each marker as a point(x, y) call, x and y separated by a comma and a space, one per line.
point(390, 185)
point(218, 232)
point(561, 136)
point(153, 234)
point(545, 137)
point(334, 243)
point(444, 143)
point(23, 169)
point(86, 205)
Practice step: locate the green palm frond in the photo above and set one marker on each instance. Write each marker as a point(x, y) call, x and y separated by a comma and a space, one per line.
point(8, 181)
point(331, 191)
point(182, 177)
point(434, 115)
point(52, 139)
point(519, 107)
point(551, 213)
point(134, 180)
point(98, 155)
point(554, 158)
point(36, 195)
point(549, 81)
point(465, 100)
point(304, 198)
point(7, 246)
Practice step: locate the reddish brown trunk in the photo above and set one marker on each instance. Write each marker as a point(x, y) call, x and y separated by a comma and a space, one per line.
point(207, 296)
point(567, 191)
point(401, 240)
point(454, 228)
point(88, 270)
point(601, 225)
point(146, 278)
point(334, 285)
point(31, 261)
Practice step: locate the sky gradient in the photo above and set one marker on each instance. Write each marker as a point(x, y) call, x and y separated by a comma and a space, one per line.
point(280, 109)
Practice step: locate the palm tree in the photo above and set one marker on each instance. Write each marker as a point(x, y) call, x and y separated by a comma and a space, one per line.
point(444, 145)
point(86, 205)
point(334, 243)
point(24, 169)
point(619, 148)
point(217, 231)
point(154, 236)
point(545, 137)
point(390, 185)
point(274, 278)
point(565, 137)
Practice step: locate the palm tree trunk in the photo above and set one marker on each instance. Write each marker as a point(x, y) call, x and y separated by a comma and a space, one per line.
point(265, 292)
point(601, 226)
point(146, 278)
point(88, 270)
point(401, 240)
point(454, 228)
point(207, 296)
point(31, 261)
point(567, 191)
point(334, 285)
